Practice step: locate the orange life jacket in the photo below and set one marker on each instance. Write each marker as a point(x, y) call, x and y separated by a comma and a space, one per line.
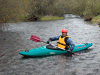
point(61, 42)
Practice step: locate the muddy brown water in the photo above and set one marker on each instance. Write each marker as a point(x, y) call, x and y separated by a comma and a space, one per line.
point(16, 37)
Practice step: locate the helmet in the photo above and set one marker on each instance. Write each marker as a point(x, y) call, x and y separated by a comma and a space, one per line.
point(64, 30)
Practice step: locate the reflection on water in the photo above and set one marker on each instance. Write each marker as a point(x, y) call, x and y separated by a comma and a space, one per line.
point(16, 37)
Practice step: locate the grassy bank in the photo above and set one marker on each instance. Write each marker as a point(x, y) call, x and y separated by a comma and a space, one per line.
point(43, 18)
point(49, 18)
point(96, 20)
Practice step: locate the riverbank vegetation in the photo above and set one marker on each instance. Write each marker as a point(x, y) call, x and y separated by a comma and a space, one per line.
point(23, 10)
point(49, 18)
point(96, 20)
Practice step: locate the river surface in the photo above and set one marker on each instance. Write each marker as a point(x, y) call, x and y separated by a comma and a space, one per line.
point(16, 37)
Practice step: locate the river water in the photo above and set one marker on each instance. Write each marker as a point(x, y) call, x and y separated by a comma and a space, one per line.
point(16, 37)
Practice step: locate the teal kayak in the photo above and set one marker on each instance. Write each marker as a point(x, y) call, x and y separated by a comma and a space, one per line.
point(43, 51)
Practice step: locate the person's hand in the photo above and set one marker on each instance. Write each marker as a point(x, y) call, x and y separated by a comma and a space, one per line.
point(48, 42)
point(69, 51)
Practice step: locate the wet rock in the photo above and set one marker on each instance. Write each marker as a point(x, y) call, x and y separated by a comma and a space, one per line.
point(33, 18)
point(88, 19)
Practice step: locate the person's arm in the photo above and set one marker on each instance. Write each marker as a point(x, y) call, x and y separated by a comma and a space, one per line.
point(53, 39)
point(71, 43)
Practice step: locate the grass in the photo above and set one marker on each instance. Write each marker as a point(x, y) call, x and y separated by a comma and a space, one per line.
point(49, 18)
point(96, 19)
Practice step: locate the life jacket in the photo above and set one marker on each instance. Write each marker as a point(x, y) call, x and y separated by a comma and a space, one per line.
point(61, 42)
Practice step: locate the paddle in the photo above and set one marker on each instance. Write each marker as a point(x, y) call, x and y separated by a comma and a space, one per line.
point(37, 39)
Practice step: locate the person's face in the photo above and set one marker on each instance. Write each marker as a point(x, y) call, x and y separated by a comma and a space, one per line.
point(64, 34)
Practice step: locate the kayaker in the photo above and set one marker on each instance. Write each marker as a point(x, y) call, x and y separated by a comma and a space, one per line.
point(64, 41)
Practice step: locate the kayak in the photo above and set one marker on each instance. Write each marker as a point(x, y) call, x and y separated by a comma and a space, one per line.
point(43, 51)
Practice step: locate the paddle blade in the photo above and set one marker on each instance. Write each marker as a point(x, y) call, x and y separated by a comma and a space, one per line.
point(35, 38)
